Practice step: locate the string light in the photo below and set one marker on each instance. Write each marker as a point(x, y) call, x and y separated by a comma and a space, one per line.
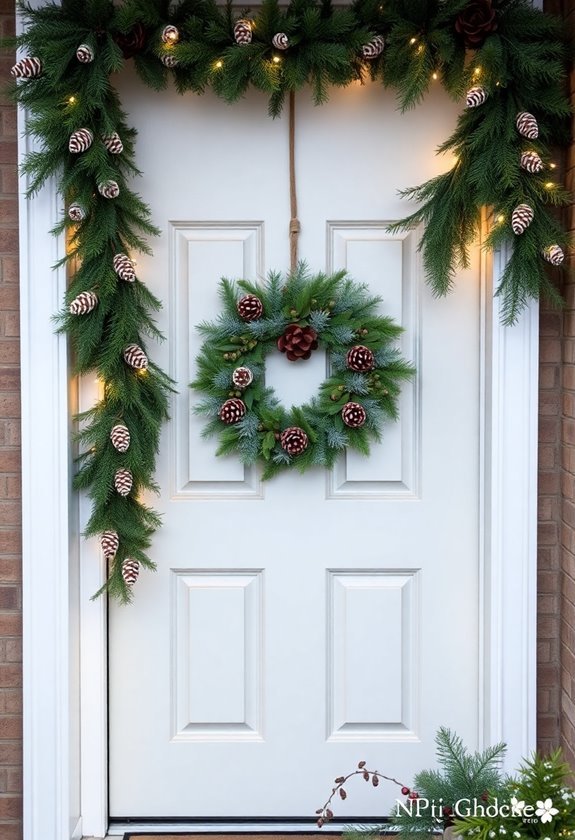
point(500, 219)
point(550, 185)
point(72, 100)
point(413, 41)
point(434, 76)
point(276, 59)
point(219, 65)
point(552, 165)
point(420, 48)
point(477, 71)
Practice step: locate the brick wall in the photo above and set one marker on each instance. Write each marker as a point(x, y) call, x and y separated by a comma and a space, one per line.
point(10, 588)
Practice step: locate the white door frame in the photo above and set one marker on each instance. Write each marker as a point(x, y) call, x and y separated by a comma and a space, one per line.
point(65, 691)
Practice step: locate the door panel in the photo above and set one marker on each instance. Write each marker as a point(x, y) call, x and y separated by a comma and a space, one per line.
point(297, 626)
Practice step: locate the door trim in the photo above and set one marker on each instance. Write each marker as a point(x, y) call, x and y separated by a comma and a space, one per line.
point(65, 687)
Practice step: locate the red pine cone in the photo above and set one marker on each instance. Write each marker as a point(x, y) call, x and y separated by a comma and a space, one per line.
point(110, 542)
point(477, 20)
point(133, 42)
point(353, 415)
point(232, 411)
point(360, 359)
point(297, 342)
point(294, 440)
point(250, 308)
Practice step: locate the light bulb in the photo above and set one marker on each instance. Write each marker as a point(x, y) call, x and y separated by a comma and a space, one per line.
point(72, 100)
point(552, 165)
point(413, 41)
point(276, 59)
point(434, 76)
point(219, 64)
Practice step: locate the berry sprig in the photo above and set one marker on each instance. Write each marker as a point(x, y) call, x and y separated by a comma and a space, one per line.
point(325, 813)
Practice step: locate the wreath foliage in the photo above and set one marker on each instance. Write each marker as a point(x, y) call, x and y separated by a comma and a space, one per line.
point(340, 315)
point(509, 57)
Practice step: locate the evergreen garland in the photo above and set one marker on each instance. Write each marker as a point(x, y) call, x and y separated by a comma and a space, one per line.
point(516, 64)
point(341, 315)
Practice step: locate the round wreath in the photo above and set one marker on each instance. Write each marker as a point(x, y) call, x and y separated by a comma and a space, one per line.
point(296, 316)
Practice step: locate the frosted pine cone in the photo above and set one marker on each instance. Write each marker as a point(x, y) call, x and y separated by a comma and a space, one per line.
point(109, 189)
point(85, 54)
point(294, 440)
point(242, 377)
point(80, 141)
point(120, 437)
point(554, 254)
point(135, 357)
point(373, 48)
point(521, 218)
point(169, 61)
point(124, 268)
point(109, 542)
point(353, 415)
point(250, 308)
point(232, 411)
point(123, 481)
point(531, 162)
point(170, 34)
point(84, 303)
point(113, 143)
point(297, 342)
point(280, 41)
point(27, 68)
point(130, 571)
point(360, 359)
point(475, 96)
point(527, 125)
point(243, 32)
point(76, 213)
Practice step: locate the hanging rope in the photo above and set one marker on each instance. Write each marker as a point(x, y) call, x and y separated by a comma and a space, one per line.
point(294, 225)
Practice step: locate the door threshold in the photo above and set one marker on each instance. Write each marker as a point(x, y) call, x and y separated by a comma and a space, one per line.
point(118, 829)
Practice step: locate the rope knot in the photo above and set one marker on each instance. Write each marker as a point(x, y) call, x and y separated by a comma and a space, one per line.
point(294, 226)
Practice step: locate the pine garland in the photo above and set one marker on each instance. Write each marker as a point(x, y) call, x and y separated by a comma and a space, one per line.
point(341, 316)
point(516, 65)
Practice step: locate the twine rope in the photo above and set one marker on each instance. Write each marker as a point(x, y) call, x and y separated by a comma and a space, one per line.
point(294, 225)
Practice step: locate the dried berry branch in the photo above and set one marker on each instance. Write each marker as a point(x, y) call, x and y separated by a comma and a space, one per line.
point(325, 814)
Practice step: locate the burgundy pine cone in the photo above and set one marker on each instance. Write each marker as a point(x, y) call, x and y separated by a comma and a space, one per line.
point(133, 42)
point(477, 20)
point(297, 342)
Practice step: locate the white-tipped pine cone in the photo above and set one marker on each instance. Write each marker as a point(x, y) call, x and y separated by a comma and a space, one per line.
point(120, 437)
point(475, 96)
point(521, 218)
point(169, 60)
point(82, 304)
point(109, 542)
point(123, 481)
point(80, 141)
point(242, 377)
point(27, 68)
point(373, 48)
point(360, 358)
point(243, 32)
point(109, 189)
point(113, 143)
point(124, 268)
point(232, 411)
point(135, 357)
point(353, 415)
point(294, 440)
point(531, 162)
point(280, 41)
point(250, 308)
point(527, 125)
point(76, 213)
point(85, 54)
point(170, 34)
point(130, 571)
point(554, 254)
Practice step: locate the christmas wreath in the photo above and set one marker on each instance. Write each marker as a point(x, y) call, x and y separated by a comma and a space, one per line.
point(297, 316)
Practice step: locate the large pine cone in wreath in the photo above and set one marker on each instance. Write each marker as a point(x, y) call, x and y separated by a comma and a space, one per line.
point(477, 20)
point(297, 342)
point(294, 440)
point(133, 42)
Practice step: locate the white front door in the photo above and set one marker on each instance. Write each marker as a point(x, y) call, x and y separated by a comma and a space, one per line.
point(296, 627)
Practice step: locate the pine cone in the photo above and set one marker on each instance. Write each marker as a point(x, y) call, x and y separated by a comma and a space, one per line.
point(120, 437)
point(475, 96)
point(527, 125)
point(242, 377)
point(109, 542)
point(477, 20)
point(27, 68)
point(109, 189)
point(170, 34)
point(76, 213)
point(135, 357)
point(521, 218)
point(373, 48)
point(531, 162)
point(80, 141)
point(360, 359)
point(553, 254)
point(280, 41)
point(84, 303)
point(294, 440)
point(353, 415)
point(130, 571)
point(113, 143)
point(297, 342)
point(85, 54)
point(169, 61)
point(133, 42)
point(123, 481)
point(124, 268)
point(243, 32)
point(232, 411)
point(250, 308)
